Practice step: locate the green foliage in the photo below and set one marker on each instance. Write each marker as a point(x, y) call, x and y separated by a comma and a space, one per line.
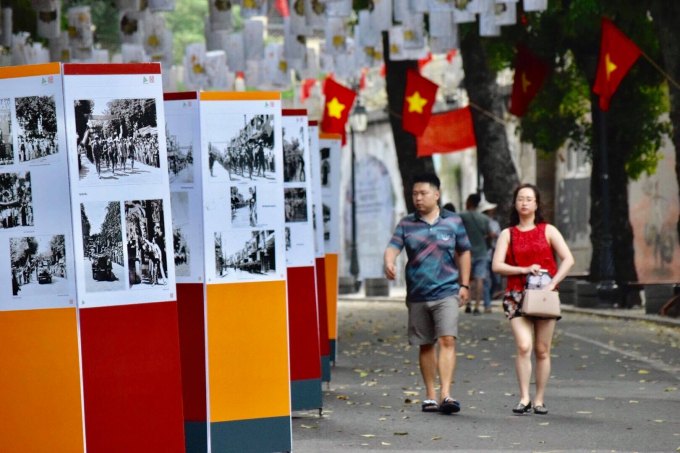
point(35, 112)
point(187, 24)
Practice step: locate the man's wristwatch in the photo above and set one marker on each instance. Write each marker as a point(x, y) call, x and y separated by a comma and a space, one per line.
point(465, 286)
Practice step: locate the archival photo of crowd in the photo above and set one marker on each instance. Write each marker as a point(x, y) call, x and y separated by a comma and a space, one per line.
point(326, 222)
point(288, 241)
point(325, 167)
point(245, 254)
point(180, 150)
point(6, 142)
point(37, 128)
point(243, 206)
point(147, 257)
point(179, 202)
point(16, 200)
point(244, 150)
point(293, 155)
point(38, 265)
point(103, 262)
point(295, 204)
point(117, 141)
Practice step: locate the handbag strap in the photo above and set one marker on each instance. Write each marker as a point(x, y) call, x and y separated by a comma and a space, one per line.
point(512, 252)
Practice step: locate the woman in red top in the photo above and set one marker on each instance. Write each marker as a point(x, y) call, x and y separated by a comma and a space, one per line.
point(533, 244)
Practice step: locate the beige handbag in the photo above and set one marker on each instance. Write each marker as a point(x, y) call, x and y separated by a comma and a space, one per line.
point(538, 302)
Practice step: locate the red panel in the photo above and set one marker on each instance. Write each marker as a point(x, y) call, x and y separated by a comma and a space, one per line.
point(132, 379)
point(111, 68)
point(303, 323)
point(323, 307)
point(294, 112)
point(183, 96)
point(192, 350)
point(313, 123)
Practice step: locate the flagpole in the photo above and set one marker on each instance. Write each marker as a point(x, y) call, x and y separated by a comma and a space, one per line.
point(607, 288)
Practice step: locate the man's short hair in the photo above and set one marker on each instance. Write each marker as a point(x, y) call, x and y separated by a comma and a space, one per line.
point(429, 178)
point(474, 200)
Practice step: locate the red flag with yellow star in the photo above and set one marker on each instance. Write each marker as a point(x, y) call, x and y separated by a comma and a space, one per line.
point(419, 99)
point(530, 73)
point(617, 55)
point(339, 102)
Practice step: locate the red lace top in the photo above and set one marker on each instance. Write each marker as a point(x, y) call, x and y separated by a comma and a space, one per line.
point(530, 247)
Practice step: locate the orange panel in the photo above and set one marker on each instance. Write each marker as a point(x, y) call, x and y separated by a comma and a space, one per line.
point(240, 96)
point(328, 136)
point(40, 404)
point(12, 72)
point(332, 294)
point(248, 351)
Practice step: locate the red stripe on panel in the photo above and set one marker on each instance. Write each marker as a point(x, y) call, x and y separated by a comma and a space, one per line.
point(305, 357)
point(111, 68)
point(183, 96)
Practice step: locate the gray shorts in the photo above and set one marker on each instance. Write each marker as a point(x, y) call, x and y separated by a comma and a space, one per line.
point(427, 321)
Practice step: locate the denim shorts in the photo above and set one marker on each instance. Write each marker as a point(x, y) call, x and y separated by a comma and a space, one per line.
point(480, 268)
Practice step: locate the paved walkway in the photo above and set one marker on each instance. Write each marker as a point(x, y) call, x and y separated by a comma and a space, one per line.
point(614, 386)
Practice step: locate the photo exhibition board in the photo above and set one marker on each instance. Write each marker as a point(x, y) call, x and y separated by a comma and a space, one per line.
point(242, 175)
point(297, 190)
point(119, 183)
point(317, 203)
point(36, 236)
point(183, 135)
point(330, 150)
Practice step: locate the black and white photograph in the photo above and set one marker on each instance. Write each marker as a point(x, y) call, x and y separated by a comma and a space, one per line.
point(16, 200)
point(147, 257)
point(243, 206)
point(179, 203)
point(245, 254)
point(102, 246)
point(293, 155)
point(38, 265)
point(117, 141)
point(295, 204)
point(247, 151)
point(325, 167)
point(288, 241)
point(326, 222)
point(6, 142)
point(180, 151)
point(37, 128)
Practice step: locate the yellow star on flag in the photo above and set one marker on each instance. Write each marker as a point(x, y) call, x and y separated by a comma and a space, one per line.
point(611, 67)
point(525, 82)
point(416, 103)
point(335, 108)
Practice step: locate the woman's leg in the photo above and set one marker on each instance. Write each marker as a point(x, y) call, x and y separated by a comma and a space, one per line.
point(521, 328)
point(544, 334)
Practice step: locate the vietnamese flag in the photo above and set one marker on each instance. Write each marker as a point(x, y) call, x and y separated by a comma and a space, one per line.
point(530, 73)
point(306, 89)
point(448, 132)
point(419, 99)
point(339, 101)
point(617, 55)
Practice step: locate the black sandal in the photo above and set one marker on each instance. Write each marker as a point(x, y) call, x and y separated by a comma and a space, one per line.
point(541, 410)
point(522, 409)
point(450, 406)
point(430, 406)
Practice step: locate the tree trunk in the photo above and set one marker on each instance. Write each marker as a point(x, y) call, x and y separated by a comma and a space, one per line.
point(495, 162)
point(665, 16)
point(404, 142)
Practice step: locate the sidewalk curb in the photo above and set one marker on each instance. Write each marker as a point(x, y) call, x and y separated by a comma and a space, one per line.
point(611, 313)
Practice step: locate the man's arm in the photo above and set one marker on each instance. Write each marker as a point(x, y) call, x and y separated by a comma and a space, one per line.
point(465, 261)
point(390, 257)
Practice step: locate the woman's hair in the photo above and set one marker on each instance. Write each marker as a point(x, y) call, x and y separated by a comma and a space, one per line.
point(514, 215)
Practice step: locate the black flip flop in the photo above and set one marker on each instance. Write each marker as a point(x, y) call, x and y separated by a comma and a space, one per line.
point(430, 406)
point(449, 406)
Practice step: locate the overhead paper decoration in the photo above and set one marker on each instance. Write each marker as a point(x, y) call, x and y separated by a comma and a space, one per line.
point(368, 36)
point(244, 240)
point(131, 53)
point(254, 73)
point(215, 39)
point(49, 22)
point(326, 61)
point(236, 58)
point(275, 69)
point(216, 69)
point(414, 31)
point(294, 45)
point(253, 34)
point(339, 8)
point(479, 6)
point(401, 8)
point(130, 5)
point(506, 13)
point(6, 27)
point(435, 6)
point(131, 27)
point(396, 38)
point(418, 6)
point(311, 67)
point(220, 15)
point(444, 44)
point(487, 25)
point(19, 49)
point(461, 13)
point(154, 34)
point(161, 5)
point(252, 8)
point(194, 66)
point(336, 37)
point(441, 24)
point(535, 5)
point(297, 17)
point(381, 15)
point(60, 49)
point(315, 13)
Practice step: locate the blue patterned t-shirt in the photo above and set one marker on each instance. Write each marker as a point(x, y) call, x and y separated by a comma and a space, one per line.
point(431, 272)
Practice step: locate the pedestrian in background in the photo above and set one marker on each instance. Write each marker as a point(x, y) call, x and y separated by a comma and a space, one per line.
point(477, 227)
point(450, 207)
point(493, 281)
point(527, 248)
point(435, 288)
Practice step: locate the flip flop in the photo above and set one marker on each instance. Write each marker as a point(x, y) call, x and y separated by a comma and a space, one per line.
point(450, 406)
point(430, 406)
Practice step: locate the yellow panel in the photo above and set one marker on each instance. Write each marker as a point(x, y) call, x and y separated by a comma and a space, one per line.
point(332, 294)
point(40, 405)
point(12, 72)
point(248, 351)
point(240, 96)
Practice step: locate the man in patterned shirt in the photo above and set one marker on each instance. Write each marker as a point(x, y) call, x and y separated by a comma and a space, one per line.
point(433, 238)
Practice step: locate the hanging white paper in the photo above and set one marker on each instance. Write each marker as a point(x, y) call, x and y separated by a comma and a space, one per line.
point(535, 5)
point(253, 34)
point(49, 22)
point(414, 31)
point(336, 37)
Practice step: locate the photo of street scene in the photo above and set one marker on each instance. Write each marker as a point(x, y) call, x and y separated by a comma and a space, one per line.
point(102, 246)
point(117, 141)
point(295, 206)
point(293, 155)
point(6, 145)
point(245, 254)
point(245, 149)
point(37, 127)
point(16, 200)
point(288, 243)
point(325, 167)
point(179, 203)
point(243, 206)
point(147, 257)
point(180, 150)
point(38, 265)
point(326, 222)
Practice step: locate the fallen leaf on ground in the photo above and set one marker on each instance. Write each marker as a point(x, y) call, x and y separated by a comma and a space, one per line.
point(382, 419)
point(342, 397)
point(544, 424)
point(436, 438)
point(659, 421)
point(309, 427)
point(401, 434)
point(584, 412)
point(671, 389)
point(599, 399)
point(643, 372)
point(633, 401)
point(385, 443)
point(363, 374)
point(509, 394)
point(411, 393)
point(470, 357)
point(368, 435)
point(408, 401)
point(483, 437)
point(385, 407)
